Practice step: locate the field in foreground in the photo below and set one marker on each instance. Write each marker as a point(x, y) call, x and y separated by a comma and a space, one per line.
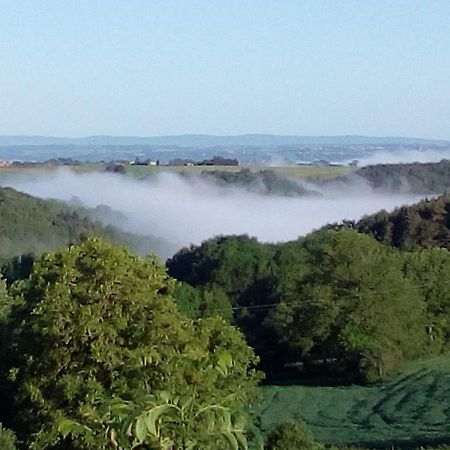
point(409, 411)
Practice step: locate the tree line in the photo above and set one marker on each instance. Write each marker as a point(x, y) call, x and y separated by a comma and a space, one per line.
point(339, 303)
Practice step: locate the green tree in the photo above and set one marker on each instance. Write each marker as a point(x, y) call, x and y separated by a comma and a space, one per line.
point(234, 276)
point(215, 302)
point(292, 436)
point(188, 299)
point(95, 323)
point(6, 303)
point(347, 303)
point(7, 439)
point(429, 269)
point(233, 263)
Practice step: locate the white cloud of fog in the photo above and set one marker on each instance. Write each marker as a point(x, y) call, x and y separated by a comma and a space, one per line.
point(185, 211)
point(404, 157)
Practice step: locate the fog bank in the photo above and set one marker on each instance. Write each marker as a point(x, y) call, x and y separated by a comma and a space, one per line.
point(404, 157)
point(186, 211)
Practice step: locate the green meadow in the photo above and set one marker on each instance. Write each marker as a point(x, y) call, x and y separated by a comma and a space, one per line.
point(143, 171)
point(409, 411)
point(300, 171)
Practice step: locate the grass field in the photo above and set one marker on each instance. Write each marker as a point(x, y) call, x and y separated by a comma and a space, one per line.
point(300, 171)
point(43, 169)
point(142, 171)
point(409, 411)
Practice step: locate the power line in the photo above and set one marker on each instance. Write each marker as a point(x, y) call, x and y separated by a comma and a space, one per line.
point(300, 303)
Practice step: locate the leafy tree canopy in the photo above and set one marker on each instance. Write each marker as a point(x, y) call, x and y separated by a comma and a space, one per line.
point(346, 306)
point(94, 323)
point(292, 436)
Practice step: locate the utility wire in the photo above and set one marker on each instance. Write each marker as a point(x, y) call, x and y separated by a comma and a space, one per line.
point(300, 303)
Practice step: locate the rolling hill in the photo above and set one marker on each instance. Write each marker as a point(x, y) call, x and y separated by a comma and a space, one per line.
point(415, 178)
point(31, 225)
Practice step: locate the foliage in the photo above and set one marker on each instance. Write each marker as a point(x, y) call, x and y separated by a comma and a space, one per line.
point(234, 264)
point(168, 422)
point(424, 224)
point(6, 303)
point(345, 308)
point(207, 301)
point(215, 302)
point(188, 300)
point(18, 268)
point(336, 302)
point(233, 272)
point(32, 226)
point(7, 439)
point(95, 322)
point(294, 435)
point(430, 269)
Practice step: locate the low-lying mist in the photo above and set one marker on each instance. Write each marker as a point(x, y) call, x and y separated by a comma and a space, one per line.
point(405, 156)
point(184, 211)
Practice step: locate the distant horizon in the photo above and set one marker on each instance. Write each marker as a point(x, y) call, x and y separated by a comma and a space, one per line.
point(221, 135)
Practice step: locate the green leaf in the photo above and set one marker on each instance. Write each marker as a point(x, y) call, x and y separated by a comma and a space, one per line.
point(231, 440)
point(242, 439)
point(153, 415)
point(165, 395)
point(140, 429)
point(225, 360)
point(68, 426)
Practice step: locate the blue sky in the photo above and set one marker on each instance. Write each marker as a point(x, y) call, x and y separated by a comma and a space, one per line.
point(156, 67)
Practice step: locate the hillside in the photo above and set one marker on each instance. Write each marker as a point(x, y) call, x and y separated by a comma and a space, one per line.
point(264, 182)
point(424, 224)
point(31, 225)
point(407, 411)
point(415, 178)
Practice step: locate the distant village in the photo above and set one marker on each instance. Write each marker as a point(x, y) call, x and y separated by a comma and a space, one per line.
point(115, 165)
point(215, 161)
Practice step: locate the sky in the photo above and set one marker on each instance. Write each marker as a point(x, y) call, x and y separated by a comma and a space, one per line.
point(164, 67)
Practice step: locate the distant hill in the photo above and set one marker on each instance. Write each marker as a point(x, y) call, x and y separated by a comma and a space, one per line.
point(200, 140)
point(415, 178)
point(264, 182)
point(32, 225)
